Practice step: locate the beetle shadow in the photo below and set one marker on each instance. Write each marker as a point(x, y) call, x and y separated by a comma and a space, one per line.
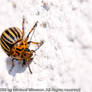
point(18, 68)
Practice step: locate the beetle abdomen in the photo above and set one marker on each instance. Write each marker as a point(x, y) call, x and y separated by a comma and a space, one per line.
point(9, 37)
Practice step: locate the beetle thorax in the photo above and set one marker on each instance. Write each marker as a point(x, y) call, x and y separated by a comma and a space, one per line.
point(20, 51)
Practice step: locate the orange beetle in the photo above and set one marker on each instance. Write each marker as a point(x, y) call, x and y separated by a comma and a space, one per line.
point(16, 47)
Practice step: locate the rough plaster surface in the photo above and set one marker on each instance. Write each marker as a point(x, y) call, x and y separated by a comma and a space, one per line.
point(64, 61)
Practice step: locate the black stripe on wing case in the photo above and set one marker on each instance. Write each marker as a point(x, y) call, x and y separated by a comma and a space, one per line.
point(13, 32)
point(9, 34)
point(6, 38)
point(17, 32)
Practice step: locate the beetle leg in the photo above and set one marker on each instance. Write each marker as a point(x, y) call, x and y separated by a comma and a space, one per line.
point(36, 43)
point(0, 40)
point(29, 68)
point(12, 66)
point(31, 31)
point(41, 43)
point(24, 63)
point(23, 22)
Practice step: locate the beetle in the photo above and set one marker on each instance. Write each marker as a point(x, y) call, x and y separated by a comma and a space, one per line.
point(17, 47)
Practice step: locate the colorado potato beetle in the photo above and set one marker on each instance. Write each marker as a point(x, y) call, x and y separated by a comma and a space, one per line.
point(16, 46)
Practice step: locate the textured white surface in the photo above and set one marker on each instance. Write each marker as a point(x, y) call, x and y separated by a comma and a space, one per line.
point(64, 61)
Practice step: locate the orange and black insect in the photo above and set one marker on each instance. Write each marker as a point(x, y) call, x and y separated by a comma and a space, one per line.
point(16, 47)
